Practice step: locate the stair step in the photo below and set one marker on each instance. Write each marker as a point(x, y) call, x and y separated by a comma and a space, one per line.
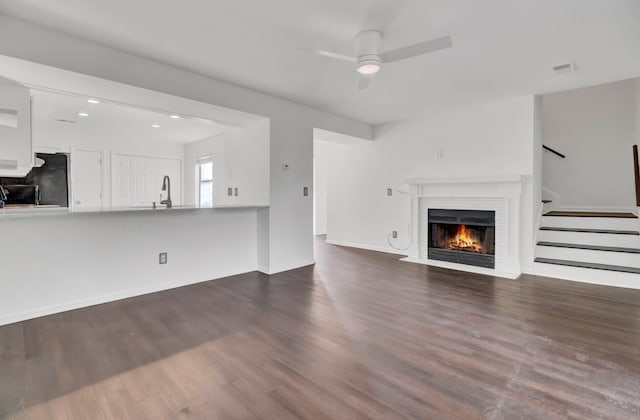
point(593, 253)
point(591, 247)
point(592, 222)
point(599, 237)
point(619, 215)
point(594, 266)
point(579, 230)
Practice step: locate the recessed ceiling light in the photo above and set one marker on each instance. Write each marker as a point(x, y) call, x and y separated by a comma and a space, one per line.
point(155, 126)
point(83, 114)
point(175, 117)
point(93, 101)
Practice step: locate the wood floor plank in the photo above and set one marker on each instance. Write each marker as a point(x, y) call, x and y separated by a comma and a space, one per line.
point(359, 335)
point(13, 375)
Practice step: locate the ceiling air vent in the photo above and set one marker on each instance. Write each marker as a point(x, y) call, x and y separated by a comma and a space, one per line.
point(564, 68)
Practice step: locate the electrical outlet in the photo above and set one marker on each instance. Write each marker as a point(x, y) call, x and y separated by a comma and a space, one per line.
point(305, 191)
point(229, 191)
point(163, 258)
point(394, 234)
point(389, 191)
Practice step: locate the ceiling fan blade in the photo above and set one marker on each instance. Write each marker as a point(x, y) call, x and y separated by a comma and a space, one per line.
point(382, 14)
point(417, 49)
point(329, 54)
point(364, 82)
point(336, 56)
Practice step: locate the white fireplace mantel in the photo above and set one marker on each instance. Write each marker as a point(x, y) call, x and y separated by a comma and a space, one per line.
point(464, 180)
point(500, 194)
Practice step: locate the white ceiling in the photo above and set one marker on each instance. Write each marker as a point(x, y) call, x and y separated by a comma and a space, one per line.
point(116, 121)
point(501, 47)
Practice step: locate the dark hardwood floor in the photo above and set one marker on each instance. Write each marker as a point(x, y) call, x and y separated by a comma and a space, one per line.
point(360, 335)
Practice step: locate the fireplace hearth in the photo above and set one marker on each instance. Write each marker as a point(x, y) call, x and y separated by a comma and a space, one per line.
point(462, 236)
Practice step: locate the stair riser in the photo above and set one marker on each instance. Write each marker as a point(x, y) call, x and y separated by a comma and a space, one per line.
point(587, 275)
point(608, 223)
point(604, 239)
point(588, 255)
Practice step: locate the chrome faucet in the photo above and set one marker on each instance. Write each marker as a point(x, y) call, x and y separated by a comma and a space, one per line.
point(166, 186)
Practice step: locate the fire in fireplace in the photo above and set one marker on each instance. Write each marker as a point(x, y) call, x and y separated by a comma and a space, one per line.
point(462, 236)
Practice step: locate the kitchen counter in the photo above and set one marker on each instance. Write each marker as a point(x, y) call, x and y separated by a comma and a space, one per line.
point(44, 210)
point(31, 206)
point(20, 210)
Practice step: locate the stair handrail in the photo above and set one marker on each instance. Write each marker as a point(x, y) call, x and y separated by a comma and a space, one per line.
point(555, 152)
point(636, 173)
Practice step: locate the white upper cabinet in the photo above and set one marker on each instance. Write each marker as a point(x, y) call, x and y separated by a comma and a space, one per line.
point(16, 152)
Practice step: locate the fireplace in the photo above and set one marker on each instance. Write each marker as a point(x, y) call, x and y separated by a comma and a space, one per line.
point(462, 236)
point(498, 201)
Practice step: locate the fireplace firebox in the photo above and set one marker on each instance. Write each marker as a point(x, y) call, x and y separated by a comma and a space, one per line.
point(462, 236)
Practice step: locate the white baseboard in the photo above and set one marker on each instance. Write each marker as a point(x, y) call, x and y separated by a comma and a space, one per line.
point(463, 267)
point(386, 250)
point(97, 300)
point(284, 268)
point(528, 269)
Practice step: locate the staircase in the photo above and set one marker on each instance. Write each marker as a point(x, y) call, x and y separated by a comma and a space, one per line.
point(594, 247)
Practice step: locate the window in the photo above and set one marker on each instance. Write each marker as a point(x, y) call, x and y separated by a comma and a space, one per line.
point(204, 186)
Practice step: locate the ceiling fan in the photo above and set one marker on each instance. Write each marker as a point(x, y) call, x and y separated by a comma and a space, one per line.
point(369, 58)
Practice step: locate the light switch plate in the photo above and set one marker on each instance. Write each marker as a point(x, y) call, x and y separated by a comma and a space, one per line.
point(163, 258)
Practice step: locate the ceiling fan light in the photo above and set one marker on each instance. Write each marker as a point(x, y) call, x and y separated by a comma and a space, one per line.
point(368, 68)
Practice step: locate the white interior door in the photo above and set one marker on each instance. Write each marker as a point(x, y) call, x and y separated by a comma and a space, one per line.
point(86, 180)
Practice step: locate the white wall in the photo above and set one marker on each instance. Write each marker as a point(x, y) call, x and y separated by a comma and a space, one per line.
point(284, 232)
point(213, 147)
point(240, 158)
point(56, 263)
point(247, 169)
point(595, 128)
point(290, 214)
point(487, 140)
point(536, 199)
point(64, 140)
point(321, 166)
